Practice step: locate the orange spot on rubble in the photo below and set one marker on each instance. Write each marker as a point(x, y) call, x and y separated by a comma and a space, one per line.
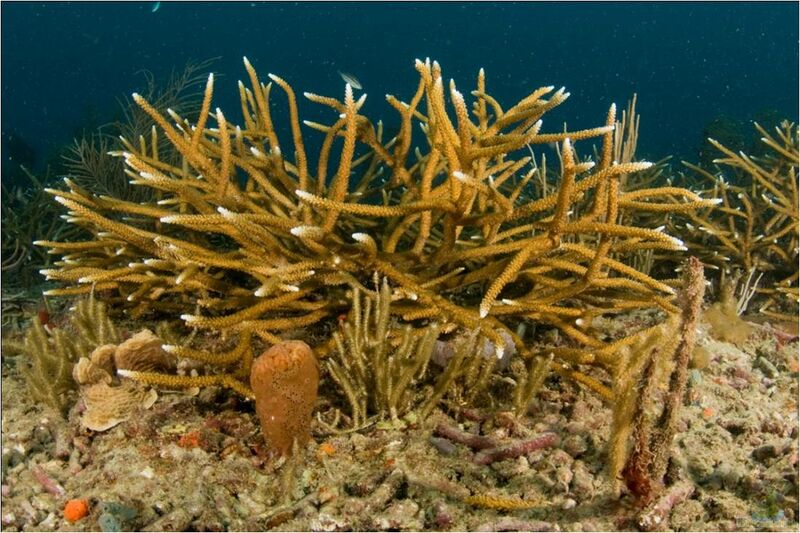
point(190, 440)
point(326, 448)
point(76, 509)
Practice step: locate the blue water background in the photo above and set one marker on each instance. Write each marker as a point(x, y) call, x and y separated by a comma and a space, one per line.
point(64, 65)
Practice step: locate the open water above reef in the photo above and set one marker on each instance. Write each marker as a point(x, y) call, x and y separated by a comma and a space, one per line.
point(64, 65)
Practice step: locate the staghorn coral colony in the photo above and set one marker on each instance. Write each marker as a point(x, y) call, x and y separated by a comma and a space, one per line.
point(250, 242)
point(754, 232)
point(420, 264)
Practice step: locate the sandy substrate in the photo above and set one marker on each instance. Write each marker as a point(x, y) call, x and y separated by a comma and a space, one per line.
point(197, 463)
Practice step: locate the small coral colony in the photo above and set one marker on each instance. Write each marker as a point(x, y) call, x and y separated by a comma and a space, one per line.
point(407, 270)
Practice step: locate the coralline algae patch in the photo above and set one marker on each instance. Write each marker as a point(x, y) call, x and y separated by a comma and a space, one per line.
point(199, 463)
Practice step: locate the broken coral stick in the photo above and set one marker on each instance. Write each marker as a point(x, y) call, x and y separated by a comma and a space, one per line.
point(655, 516)
point(49, 484)
point(476, 442)
point(545, 440)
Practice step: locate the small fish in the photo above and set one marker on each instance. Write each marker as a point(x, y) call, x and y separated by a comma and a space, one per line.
point(349, 78)
point(91, 38)
point(155, 7)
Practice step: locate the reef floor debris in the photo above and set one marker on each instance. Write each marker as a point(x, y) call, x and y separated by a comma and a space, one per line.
point(198, 462)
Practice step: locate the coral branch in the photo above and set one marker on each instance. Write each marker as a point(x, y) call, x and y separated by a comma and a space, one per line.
point(656, 516)
point(545, 440)
point(49, 484)
point(476, 442)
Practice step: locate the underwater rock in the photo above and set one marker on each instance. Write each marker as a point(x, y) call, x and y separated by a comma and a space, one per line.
point(575, 445)
point(582, 485)
point(688, 516)
point(765, 452)
point(326, 522)
point(738, 425)
point(726, 475)
point(443, 515)
point(401, 515)
point(178, 519)
point(443, 446)
point(284, 380)
point(569, 503)
point(563, 476)
point(517, 524)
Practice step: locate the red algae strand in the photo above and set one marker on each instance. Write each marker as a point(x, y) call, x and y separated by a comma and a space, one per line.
point(284, 380)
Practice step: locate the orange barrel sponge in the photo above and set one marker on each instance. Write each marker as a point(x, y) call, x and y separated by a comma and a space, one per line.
point(284, 380)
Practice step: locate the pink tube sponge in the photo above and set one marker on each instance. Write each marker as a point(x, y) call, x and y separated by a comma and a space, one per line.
point(284, 380)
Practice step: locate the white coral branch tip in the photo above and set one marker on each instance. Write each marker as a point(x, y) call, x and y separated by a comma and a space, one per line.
point(499, 351)
point(460, 176)
point(362, 237)
point(305, 232)
point(677, 242)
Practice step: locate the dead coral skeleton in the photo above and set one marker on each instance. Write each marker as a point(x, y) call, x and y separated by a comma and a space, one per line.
point(652, 435)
